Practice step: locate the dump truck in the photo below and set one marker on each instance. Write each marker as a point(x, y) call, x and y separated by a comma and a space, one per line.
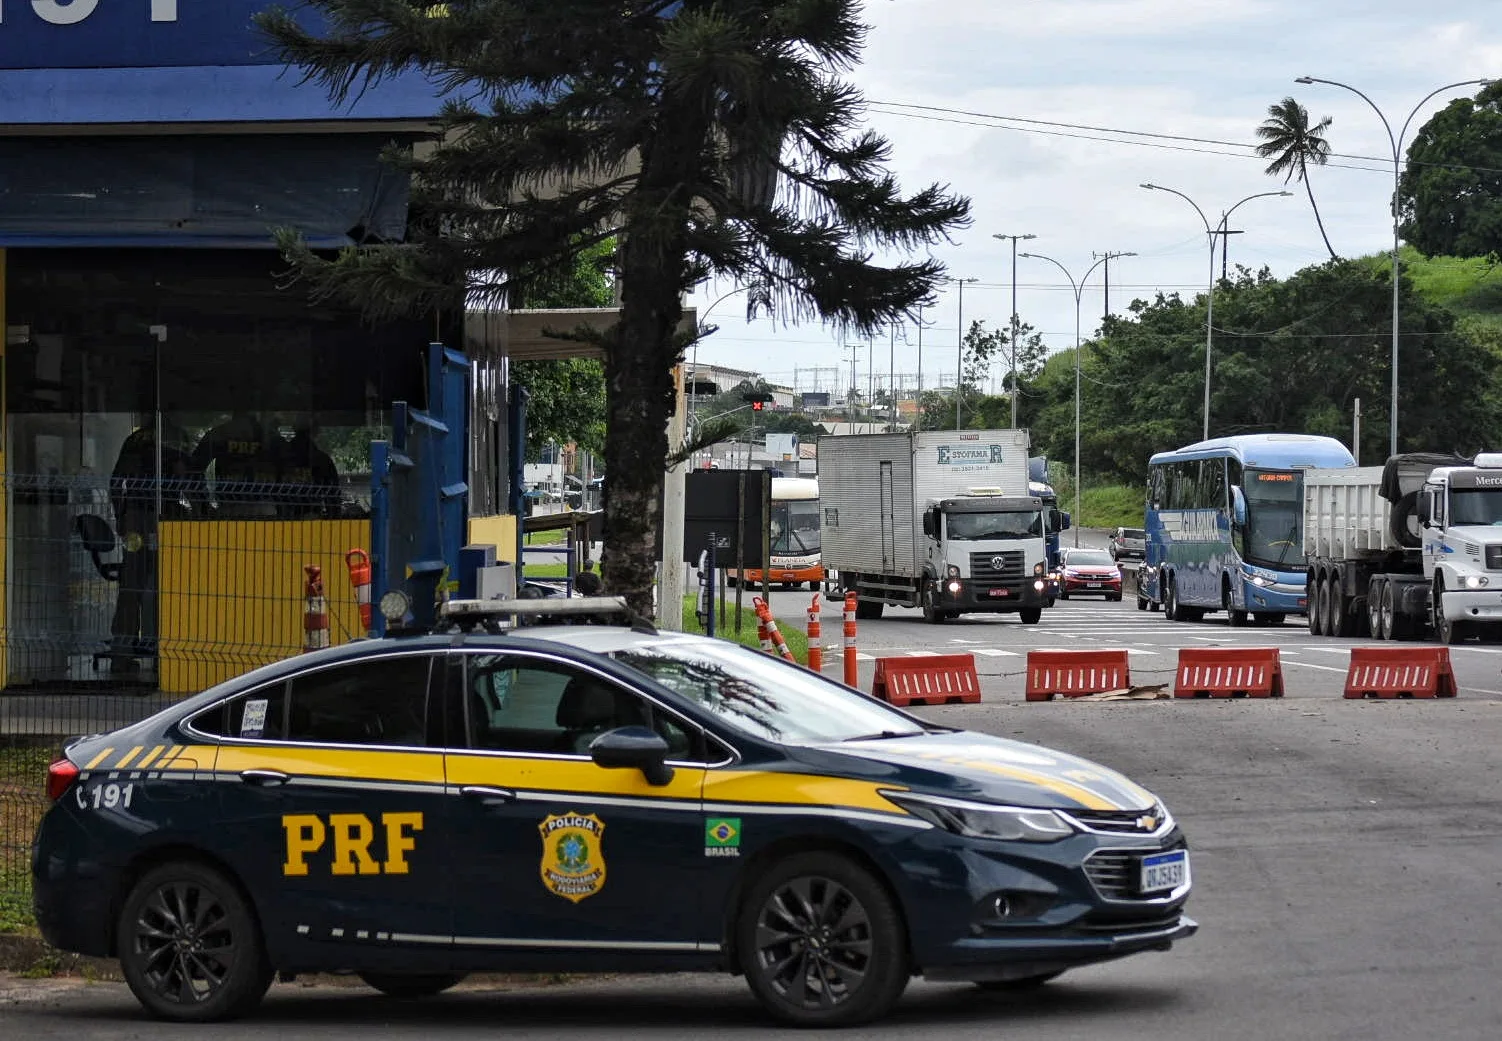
point(940, 520)
point(1406, 550)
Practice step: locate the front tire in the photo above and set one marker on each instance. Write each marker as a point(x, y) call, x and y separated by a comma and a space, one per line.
point(1446, 630)
point(1236, 619)
point(821, 942)
point(932, 614)
point(1030, 615)
point(190, 946)
point(410, 988)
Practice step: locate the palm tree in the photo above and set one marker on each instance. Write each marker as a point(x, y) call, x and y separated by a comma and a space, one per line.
point(1292, 144)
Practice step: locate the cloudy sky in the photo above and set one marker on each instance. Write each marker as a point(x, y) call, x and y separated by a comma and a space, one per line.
point(1201, 69)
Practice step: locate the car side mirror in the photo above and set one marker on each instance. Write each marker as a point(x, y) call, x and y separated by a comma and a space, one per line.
point(928, 523)
point(633, 748)
point(1425, 514)
point(1061, 520)
point(1238, 507)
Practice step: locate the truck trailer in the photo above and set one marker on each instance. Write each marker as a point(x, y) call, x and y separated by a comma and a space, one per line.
point(1407, 549)
point(941, 520)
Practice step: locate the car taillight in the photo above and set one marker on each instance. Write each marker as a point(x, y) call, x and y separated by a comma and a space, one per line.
point(60, 777)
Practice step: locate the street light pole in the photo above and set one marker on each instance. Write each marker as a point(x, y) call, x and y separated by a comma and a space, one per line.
point(1078, 289)
point(959, 365)
point(1396, 142)
point(1013, 387)
point(693, 386)
point(1210, 233)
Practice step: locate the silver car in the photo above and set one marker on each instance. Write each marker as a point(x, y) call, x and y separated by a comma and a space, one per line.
point(1128, 543)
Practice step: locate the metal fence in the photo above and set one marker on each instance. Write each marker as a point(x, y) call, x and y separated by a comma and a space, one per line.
point(117, 599)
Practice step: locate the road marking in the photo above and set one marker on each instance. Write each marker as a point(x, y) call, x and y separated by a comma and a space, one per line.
point(993, 652)
point(1321, 668)
point(922, 654)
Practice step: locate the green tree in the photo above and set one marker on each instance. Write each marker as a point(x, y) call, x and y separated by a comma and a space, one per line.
point(713, 139)
point(567, 396)
point(1450, 194)
point(1292, 144)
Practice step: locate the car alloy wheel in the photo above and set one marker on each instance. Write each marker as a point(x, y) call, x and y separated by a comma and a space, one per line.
point(189, 946)
point(821, 942)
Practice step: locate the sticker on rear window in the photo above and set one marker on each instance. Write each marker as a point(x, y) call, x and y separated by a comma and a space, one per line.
point(253, 723)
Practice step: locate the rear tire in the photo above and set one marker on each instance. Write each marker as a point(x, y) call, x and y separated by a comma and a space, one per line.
point(190, 946)
point(411, 988)
point(1171, 601)
point(1384, 628)
point(1319, 608)
point(807, 972)
point(1338, 621)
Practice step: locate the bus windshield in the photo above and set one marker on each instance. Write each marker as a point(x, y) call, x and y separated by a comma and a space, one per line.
point(1274, 518)
point(795, 527)
point(976, 527)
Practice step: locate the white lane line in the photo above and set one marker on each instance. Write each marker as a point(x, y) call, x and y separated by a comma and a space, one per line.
point(993, 652)
point(922, 654)
point(1321, 668)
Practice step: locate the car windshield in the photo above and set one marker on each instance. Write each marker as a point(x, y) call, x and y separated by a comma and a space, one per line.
point(1088, 558)
point(976, 527)
point(763, 696)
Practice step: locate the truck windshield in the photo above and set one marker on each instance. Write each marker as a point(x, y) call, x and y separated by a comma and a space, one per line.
point(795, 527)
point(1274, 518)
point(976, 527)
point(1475, 507)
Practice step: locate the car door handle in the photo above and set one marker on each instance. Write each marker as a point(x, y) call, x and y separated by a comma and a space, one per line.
point(264, 778)
point(488, 796)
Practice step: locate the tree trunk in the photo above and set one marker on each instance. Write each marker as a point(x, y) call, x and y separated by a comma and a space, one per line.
point(1304, 176)
point(639, 391)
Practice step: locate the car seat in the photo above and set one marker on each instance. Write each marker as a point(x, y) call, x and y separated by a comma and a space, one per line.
point(588, 708)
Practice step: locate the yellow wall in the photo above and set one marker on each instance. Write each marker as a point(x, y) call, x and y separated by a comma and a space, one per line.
point(498, 531)
point(232, 594)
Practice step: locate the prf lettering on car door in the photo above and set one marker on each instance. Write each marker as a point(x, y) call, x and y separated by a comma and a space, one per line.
point(342, 843)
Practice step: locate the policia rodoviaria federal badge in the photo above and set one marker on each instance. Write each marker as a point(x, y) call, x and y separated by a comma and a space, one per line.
point(573, 857)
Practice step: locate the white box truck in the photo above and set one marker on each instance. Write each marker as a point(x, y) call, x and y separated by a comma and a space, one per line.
point(941, 520)
point(1406, 549)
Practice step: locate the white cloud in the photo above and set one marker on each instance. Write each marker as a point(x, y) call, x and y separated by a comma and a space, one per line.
point(1197, 68)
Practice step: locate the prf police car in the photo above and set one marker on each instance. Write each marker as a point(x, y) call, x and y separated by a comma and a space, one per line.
point(587, 798)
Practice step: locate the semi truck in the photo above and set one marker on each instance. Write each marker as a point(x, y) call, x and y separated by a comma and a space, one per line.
point(1407, 549)
point(939, 520)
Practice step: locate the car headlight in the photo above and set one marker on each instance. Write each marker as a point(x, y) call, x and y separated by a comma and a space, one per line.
point(1476, 581)
point(984, 821)
point(954, 571)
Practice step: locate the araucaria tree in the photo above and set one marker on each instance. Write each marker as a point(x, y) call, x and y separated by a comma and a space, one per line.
point(713, 138)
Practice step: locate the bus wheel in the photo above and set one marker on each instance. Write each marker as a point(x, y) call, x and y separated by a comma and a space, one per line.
point(1236, 619)
point(1171, 609)
point(813, 586)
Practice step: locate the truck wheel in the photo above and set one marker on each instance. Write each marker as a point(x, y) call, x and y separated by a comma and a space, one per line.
point(1338, 621)
point(1448, 631)
point(1313, 617)
point(1030, 615)
point(1387, 616)
point(822, 943)
point(931, 613)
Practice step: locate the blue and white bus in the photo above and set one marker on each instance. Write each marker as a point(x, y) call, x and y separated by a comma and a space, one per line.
point(1225, 526)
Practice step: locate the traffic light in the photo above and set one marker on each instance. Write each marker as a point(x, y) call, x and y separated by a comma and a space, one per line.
point(756, 406)
point(757, 399)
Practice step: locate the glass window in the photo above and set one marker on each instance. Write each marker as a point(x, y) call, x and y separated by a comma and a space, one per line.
point(1088, 558)
point(975, 527)
point(763, 696)
point(379, 701)
point(1471, 507)
point(527, 705)
point(1275, 518)
point(1213, 481)
point(795, 528)
point(259, 714)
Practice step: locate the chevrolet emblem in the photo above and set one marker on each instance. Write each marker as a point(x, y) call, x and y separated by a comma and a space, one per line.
point(1147, 823)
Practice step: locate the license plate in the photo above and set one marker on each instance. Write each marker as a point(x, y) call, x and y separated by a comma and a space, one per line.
point(787, 576)
point(1092, 585)
point(1164, 871)
point(1001, 592)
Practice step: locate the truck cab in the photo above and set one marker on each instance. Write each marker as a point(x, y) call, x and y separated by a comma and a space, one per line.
point(1460, 520)
point(986, 552)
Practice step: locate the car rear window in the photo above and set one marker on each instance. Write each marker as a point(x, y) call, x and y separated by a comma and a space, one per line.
point(1135, 533)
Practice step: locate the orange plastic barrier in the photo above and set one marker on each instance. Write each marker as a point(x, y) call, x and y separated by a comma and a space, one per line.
point(764, 612)
point(1224, 672)
point(815, 633)
point(852, 667)
point(1400, 672)
point(358, 562)
point(939, 679)
point(1075, 673)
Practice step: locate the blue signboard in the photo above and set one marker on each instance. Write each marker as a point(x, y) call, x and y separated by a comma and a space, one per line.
point(73, 34)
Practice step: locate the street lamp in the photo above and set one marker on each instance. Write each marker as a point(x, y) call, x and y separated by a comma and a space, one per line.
point(959, 365)
point(693, 386)
point(1014, 239)
point(1397, 173)
point(1210, 233)
point(1079, 292)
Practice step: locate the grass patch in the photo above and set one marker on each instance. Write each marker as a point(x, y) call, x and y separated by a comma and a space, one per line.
point(15, 902)
point(1108, 506)
point(23, 800)
point(545, 538)
point(545, 571)
point(792, 629)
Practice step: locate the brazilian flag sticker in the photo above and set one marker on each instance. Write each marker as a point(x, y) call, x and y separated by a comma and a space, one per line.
point(722, 837)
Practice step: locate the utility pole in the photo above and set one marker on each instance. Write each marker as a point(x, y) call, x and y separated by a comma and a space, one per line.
point(1225, 234)
point(959, 365)
point(1012, 390)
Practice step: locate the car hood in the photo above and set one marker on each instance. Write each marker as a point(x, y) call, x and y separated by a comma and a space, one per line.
point(1108, 570)
point(980, 767)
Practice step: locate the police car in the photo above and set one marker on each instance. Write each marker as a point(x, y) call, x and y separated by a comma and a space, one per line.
point(581, 798)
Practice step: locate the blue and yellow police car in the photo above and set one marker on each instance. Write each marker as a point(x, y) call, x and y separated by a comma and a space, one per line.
point(587, 797)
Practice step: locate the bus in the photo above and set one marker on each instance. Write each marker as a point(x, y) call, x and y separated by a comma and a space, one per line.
point(1225, 527)
point(794, 536)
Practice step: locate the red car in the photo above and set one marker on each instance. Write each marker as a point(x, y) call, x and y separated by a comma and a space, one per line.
point(1089, 572)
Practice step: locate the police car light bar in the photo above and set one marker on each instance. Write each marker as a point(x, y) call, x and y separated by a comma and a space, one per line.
point(546, 606)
